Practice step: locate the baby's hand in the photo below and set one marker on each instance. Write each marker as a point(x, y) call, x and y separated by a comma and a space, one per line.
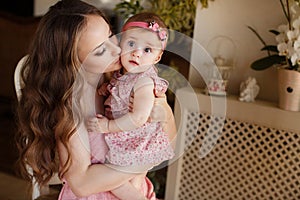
point(102, 90)
point(98, 124)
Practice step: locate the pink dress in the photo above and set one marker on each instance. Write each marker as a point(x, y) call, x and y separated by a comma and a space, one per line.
point(98, 152)
point(148, 144)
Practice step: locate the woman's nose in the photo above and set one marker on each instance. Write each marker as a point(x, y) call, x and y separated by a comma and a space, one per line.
point(116, 50)
point(114, 47)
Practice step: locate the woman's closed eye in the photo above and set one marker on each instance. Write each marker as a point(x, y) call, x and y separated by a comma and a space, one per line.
point(100, 51)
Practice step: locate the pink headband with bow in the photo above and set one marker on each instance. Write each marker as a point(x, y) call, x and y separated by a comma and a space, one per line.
point(153, 26)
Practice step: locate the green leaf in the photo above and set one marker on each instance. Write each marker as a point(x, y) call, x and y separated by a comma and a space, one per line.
point(126, 9)
point(272, 48)
point(275, 32)
point(267, 62)
point(257, 35)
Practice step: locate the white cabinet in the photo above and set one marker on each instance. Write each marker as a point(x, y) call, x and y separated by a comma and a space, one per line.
point(254, 152)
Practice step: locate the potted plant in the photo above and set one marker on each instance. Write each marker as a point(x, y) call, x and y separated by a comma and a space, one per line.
point(285, 56)
point(178, 15)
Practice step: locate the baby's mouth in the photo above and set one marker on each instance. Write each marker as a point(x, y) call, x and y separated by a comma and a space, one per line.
point(133, 62)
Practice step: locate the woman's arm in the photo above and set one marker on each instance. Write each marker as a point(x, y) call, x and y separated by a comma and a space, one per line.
point(85, 178)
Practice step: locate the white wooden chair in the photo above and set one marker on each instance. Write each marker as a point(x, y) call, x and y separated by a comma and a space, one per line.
point(36, 190)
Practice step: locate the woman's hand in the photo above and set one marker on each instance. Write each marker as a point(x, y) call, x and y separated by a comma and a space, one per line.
point(98, 124)
point(102, 90)
point(161, 111)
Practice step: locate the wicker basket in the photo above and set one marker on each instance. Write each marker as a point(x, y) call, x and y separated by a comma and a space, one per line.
point(289, 89)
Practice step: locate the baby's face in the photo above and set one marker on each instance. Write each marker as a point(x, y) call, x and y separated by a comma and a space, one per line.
point(141, 49)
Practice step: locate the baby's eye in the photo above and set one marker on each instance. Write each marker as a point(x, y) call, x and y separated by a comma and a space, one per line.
point(147, 50)
point(131, 43)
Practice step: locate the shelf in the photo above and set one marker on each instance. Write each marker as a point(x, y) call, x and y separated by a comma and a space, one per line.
point(258, 112)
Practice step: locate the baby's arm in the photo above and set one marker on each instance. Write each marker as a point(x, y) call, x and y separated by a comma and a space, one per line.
point(142, 105)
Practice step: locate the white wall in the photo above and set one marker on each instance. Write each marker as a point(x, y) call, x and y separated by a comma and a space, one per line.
point(231, 18)
point(42, 6)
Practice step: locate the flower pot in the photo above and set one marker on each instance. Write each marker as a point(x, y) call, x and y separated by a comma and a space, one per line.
point(289, 89)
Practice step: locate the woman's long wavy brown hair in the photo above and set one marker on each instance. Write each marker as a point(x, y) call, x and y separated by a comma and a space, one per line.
point(45, 109)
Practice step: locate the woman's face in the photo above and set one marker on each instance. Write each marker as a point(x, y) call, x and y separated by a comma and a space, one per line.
point(98, 52)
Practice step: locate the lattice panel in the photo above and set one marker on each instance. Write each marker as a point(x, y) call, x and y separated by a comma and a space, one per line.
point(248, 161)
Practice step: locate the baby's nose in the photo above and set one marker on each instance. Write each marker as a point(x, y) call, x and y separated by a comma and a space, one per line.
point(137, 52)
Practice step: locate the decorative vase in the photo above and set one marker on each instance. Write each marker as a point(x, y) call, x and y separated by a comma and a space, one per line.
point(289, 89)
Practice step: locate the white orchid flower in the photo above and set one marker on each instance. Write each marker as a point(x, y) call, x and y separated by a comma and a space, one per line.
point(280, 38)
point(297, 44)
point(295, 9)
point(295, 58)
point(285, 49)
point(292, 35)
point(288, 36)
point(283, 28)
point(296, 23)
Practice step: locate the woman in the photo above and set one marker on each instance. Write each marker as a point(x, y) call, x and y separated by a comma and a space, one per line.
point(69, 53)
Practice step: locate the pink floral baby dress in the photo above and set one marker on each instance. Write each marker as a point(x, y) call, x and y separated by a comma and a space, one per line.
point(148, 144)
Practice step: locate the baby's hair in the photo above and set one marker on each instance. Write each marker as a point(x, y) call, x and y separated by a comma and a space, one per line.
point(150, 21)
point(147, 17)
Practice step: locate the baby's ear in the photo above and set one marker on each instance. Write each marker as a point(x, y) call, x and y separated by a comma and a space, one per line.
point(158, 57)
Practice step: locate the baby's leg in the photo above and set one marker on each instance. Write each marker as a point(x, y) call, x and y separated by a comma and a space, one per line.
point(128, 191)
point(138, 180)
point(131, 190)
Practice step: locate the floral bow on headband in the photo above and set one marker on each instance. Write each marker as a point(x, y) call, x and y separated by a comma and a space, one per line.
point(162, 34)
point(153, 26)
